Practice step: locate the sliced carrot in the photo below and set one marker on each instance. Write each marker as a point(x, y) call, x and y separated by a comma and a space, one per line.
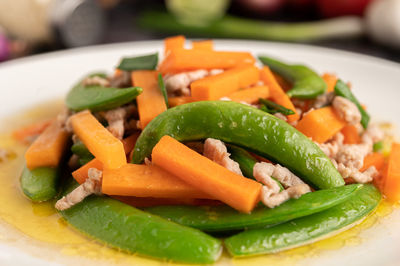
point(373, 159)
point(391, 186)
point(225, 83)
point(174, 42)
point(250, 95)
point(117, 72)
point(351, 136)
point(147, 181)
point(183, 60)
point(151, 102)
point(48, 148)
point(27, 133)
point(285, 85)
point(330, 80)
point(320, 124)
point(100, 142)
point(81, 174)
point(175, 101)
point(278, 95)
point(237, 191)
point(207, 45)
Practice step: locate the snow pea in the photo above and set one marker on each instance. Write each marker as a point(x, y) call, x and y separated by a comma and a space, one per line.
point(145, 62)
point(98, 98)
point(82, 152)
point(163, 89)
point(273, 108)
point(341, 89)
point(306, 229)
point(126, 228)
point(40, 184)
point(244, 126)
point(224, 218)
point(306, 83)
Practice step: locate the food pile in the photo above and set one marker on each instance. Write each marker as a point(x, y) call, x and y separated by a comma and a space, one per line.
point(161, 158)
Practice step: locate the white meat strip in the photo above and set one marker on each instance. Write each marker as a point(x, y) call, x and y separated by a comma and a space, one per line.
point(353, 173)
point(281, 116)
point(332, 147)
point(115, 119)
point(262, 172)
point(324, 99)
point(96, 80)
point(271, 201)
point(216, 151)
point(347, 110)
point(180, 82)
point(92, 185)
point(282, 174)
point(63, 119)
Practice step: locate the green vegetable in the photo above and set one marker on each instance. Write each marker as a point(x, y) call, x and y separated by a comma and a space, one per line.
point(132, 230)
point(82, 152)
point(341, 89)
point(224, 218)
point(307, 229)
point(378, 146)
point(163, 90)
point(246, 162)
point(272, 107)
point(145, 62)
point(98, 98)
point(236, 27)
point(306, 83)
point(40, 184)
point(243, 126)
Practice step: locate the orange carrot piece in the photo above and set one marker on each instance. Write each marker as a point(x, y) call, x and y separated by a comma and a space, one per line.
point(27, 133)
point(250, 95)
point(174, 42)
point(217, 86)
point(99, 141)
point(147, 181)
point(207, 45)
point(183, 60)
point(215, 180)
point(151, 101)
point(175, 101)
point(278, 95)
point(373, 159)
point(391, 186)
point(48, 148)
point(320, 124)
point(285, 85)
point(351, 136)
point(330, 80)
point(81, 174)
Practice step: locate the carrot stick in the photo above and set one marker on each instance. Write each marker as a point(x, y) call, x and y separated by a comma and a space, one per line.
point(320, 124)
point(217, 86)
point(373, 159)
point(330, 81)
point(391, 187)
point(285, 85)
point(174, 42)
point(147, 181)
point(48, 148)
point(100, 142)
point(250, 95)
point(207, 45)
point(27, 133)
point(278, 95)
point(183, 60)
point(175, 101)
point(237, 191)
point(351, 136)
point(151, 102)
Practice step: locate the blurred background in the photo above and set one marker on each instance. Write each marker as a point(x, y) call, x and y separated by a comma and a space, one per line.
point(36, 26)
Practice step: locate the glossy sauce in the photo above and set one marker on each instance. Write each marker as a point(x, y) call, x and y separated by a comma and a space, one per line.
point(45, 228)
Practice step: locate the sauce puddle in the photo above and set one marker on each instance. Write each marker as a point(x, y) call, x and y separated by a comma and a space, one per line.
point(44, 234)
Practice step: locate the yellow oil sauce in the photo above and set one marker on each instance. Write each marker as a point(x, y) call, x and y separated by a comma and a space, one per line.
point(39, 225)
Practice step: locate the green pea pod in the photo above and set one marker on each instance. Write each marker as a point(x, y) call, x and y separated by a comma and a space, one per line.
point(145, 62)
point(135, 231)
point(378, 146)
point(307, 229)
point(246, 162)
point(224, 218)
point(163, 90)
point(341, 89)
point(306, 83)
point(40, 184)
point(276, 108)
point(98, 98)
point(82, 152)
point(243, 126)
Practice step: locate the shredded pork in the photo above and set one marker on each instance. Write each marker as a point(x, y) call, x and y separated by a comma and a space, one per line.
point(92, 185)
point(117, 120)
point(216, 151)
point(96, 81)
point(347, 110)
point(324, 99)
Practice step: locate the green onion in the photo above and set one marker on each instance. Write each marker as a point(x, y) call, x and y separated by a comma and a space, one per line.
point(145, 62)
point(272, 107)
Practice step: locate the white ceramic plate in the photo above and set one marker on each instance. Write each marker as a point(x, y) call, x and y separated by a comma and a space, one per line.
point(376, 82)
